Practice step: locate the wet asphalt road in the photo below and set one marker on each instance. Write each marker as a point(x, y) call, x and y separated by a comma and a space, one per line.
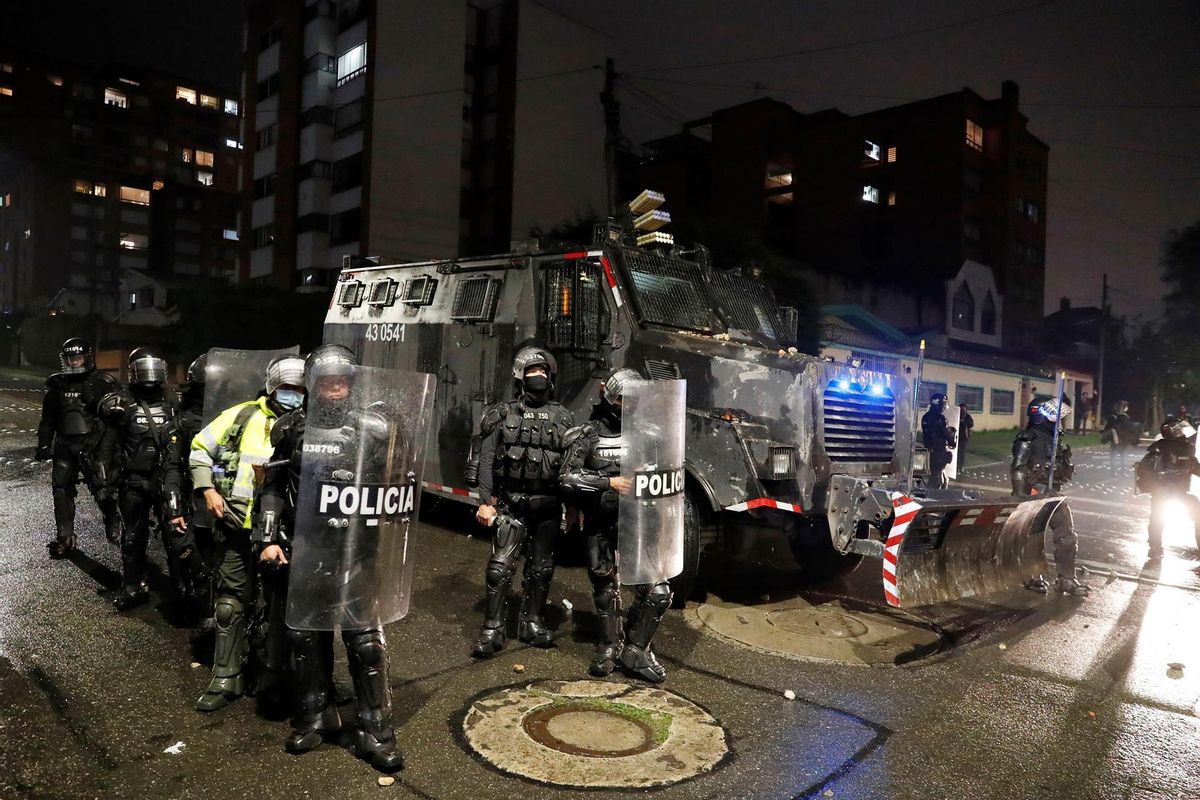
point(1037, 698)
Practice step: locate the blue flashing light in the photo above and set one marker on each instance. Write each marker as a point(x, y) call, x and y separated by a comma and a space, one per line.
point(877, 389)
point(843, 385)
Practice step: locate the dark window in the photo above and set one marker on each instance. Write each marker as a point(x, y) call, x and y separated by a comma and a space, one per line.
point(987, 317)
point(929, 389)
point(270, 36)
point(264, 236)
point(972, 181)
point(970, 396)
point(264, 187)
point(348, 119)
point(312, 222)
point(1002, 401)
point(962, 315)
point(266, 137)
point(351, 11)
point(347, 173)
point(321, 8)
point(317, 115)
point(345, 227)
point(321, 62)
point(314, 169)
point(269, 87)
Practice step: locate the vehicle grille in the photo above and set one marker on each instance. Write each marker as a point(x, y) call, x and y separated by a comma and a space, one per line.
point(860, 426)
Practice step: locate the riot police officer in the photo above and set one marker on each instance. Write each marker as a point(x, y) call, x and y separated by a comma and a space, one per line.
point(591, 476)
point(70, 432)
point(1030, 474)
point(190, 527)
point(519, 459)
point(331, 413)
point(1166, 472)
point(939, 439)
point(226, 461)
point(138, 418)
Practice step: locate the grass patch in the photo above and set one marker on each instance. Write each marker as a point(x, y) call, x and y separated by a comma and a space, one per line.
point(989, 446)
point(25, 373)
point(659, 723)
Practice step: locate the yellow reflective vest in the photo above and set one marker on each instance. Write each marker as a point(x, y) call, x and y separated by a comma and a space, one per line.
point(224, 460)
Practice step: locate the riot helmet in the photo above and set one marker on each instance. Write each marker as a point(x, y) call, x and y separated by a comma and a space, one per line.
point(76, 356)
point(525, 371)
point(1051, 410)
point(611, 389)
point(285, 382)
point(937, 400)
point(146, 370)
point(329, 376)
point(1121, 407)
point(1176, 428)
point(196, 370)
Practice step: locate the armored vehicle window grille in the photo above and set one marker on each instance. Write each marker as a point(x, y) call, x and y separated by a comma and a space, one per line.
point(662, 370)
point(419, 291)
point(572, 305)
point(748, 306)
point(350, 294)
point(859, 423)
point(383, 292)
point(475, 299)
point(670, 291)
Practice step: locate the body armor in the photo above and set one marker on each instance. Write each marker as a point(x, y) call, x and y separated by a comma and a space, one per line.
point(529, 453)
point(1030, 471)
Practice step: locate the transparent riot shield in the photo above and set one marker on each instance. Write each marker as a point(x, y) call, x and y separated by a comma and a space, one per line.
point(650, 517)
point(953, 416)
point(365, 436)
point(235, 376)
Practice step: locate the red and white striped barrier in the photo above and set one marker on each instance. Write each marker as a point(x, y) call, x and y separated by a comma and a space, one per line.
point(905, 510)
point(442, 489)
point(612, 280)
point(765, 502)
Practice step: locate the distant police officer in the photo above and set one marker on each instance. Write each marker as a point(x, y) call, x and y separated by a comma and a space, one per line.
point(519, 460)
point(69, 432)
point(137, 421)
point(591, 476)
point(1166, 472)
point(1030, 473)
point(343, 430)
point(227, 459)
point(1120, 433)
point(939, 439)
point(191, 527)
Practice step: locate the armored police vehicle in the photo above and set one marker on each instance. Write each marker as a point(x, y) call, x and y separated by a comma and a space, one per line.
point(786, 452)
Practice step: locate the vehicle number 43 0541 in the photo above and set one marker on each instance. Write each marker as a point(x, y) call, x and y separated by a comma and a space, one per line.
point(385, 332)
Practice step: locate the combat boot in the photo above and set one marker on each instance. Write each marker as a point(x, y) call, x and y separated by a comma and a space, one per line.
point(489, 642)
point(531, 629)
point(375, 741)
point(61, 547)
point(308, 732)
point(647, 612)
point(131, 597)
point(228, 683)
point(112, 529)
point(605, 659)
point(640, 662)
point(1072, 586)
point(1038, 584)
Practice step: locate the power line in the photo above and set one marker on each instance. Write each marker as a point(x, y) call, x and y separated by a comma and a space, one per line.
point(857, 43)
point(1105, 212)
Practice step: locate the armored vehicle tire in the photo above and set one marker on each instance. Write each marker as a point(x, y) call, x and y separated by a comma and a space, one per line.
point(815, 553)
point(683, 585)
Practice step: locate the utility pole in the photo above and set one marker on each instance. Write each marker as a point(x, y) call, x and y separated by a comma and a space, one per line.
point(612, 133)
point(1103, 342)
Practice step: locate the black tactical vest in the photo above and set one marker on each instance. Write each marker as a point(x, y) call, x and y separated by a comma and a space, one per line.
point(74, 400)
point(531, 448)
point(144, 432)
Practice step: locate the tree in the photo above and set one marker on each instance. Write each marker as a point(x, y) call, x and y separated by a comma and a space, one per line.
point(1177, 352)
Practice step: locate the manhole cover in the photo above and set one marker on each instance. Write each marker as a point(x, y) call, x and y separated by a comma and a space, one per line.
point(815, 622)
point(594, 733)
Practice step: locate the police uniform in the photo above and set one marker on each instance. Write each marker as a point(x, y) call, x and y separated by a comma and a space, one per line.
point(193, 547)
point(69, 433)
point(522, 443)
point(593, 457)
point(1030, 473)
point(939, 439)
point(138, 419)
point(1166, 471)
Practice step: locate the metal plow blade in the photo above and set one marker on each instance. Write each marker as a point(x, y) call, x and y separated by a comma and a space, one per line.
point(939, 552)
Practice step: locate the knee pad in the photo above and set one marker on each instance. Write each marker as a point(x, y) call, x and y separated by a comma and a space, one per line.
point(227, 610)
point(497, 574)
point(66, 492)
point(369, 647)
point(659, 596)
point(607, 597)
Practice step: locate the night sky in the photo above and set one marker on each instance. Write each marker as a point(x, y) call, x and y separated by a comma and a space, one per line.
point(1112, 87)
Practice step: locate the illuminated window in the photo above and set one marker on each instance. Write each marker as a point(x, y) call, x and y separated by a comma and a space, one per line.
point(233, 144)
point(231, 234)
point(892, 198)
point(113, 97)
point(187, 155)
point(892, 154)
point(5, 201)
point(186, 95)
point(871, 150)
point(5, 67)
point(134, 241)
point(5, 91)
point(208, 101)
point(139, 197)
point(974, 135)
point(94, 189)
point(231, 107)
point(778, 176)
point(100, 190)
point(130, 81)
point(55, 80)
point(157, 186)
point(870, 194)
point(204, 158)
point(204, 178)
point(352, 63)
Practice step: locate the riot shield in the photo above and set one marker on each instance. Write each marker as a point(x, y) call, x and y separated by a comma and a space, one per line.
point(235, 376)
point(650, 517)
point(360, 487)
point(953, 416)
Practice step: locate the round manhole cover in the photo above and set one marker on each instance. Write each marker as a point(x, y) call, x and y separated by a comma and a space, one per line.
point(594, 733)
point(816, 622)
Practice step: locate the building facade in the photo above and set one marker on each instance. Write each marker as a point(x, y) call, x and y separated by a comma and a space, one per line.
point(105, 170)
point(887, 208)
point(410, 130)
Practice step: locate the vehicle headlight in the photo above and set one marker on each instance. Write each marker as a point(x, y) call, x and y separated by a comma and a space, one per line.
point(782, 463)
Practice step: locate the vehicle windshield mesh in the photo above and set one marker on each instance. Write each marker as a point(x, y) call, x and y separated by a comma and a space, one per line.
point(670, 291)
point(747, 305)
